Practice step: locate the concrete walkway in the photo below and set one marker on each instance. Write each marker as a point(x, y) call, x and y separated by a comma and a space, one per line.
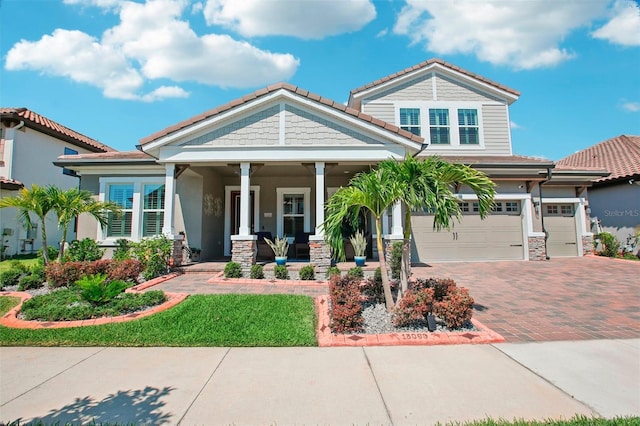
point(374, 385)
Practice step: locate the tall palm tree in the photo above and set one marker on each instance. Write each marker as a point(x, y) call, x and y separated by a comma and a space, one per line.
point(375, 191)
point(32, 201)
point(430, 184)
point(72, 203)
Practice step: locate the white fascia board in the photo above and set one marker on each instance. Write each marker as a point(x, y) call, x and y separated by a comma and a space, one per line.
point(120, 170)
point(280, 153)
point(505, 196)
point(510, 97)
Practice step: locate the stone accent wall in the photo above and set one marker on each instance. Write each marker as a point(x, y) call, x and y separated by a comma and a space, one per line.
point(177, 252)
point(587, 245)
point(244, 253)
point(536, 248)
point(319, 255)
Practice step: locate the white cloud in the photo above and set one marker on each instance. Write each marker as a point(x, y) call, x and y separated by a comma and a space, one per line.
point(624, 26)
point(515, 125)
point(99, 3)
point(150, 42)
point(630, 106)
point(309, 19)
point(382, 33)
point(522, 35)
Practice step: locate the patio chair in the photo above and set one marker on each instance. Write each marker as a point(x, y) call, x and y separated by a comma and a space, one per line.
point(264, 251)
point(301, 244)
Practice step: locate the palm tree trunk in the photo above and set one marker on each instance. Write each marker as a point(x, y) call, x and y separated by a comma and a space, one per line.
point(386, 286)
point(405, 267)
point(64, 239)
point(45, 251)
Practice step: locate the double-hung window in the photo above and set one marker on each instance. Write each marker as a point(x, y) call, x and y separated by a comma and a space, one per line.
point(69, 151)
point(468, 126)
point(153, 210)
point(439, 126)
point(294, 211)
point(410, 120)
point(120, 224)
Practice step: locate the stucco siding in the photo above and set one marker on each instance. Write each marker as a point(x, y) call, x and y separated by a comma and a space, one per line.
point(261, 128)
point(617, 207)
point(304, 128)
point(418, 89)
point(448, 89)
point(382, 111)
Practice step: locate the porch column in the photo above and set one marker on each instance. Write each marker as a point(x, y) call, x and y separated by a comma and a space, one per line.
point(169, 199)
point(319, 251)
point(243, 245)
point(245, 199)
point(396, 226)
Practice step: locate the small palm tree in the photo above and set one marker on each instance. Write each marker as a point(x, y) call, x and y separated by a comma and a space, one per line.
point(72, 203)
point(32, 201)
point(375, 191)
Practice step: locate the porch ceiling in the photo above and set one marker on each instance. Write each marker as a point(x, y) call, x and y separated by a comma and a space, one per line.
point(285, 169)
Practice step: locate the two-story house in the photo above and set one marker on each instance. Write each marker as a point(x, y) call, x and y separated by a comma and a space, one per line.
point(29, 144)
point(267, 162)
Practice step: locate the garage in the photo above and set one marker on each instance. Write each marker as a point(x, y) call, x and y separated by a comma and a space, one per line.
point(497, 237)
point(560, 223)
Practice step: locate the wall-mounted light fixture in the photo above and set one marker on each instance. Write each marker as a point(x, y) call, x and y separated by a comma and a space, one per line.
point(536, 206)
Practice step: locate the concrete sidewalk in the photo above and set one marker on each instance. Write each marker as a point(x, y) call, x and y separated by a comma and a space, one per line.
point(375, 385)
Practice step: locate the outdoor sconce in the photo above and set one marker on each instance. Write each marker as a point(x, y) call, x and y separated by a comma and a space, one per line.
point(536, 207)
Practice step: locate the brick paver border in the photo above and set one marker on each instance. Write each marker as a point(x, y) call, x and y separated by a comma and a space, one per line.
point(326, 338)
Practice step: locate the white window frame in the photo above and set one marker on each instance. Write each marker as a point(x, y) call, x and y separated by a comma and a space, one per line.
point(143, 210)
point(407, 127)
point(454, 126)
point(281, 192)
point(136, 216)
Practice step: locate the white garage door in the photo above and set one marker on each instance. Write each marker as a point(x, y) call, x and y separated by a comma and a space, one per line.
point(497, 237)
point(560, 223)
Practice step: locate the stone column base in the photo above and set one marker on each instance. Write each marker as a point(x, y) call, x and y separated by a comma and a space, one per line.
point(319, 254)
point(177, 252)
point(587, 245)
point(536, 248)
point(243, 251)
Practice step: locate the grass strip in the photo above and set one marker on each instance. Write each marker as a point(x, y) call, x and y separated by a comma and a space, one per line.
point(578, 420)
point(201, 320)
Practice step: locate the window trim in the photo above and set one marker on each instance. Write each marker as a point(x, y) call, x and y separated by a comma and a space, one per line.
point(408, 127)
point(281, 192)
point(137, 207)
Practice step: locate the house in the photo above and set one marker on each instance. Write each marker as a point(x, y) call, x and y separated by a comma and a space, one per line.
point(29, 144)
point(267, 162)
point(614, 200)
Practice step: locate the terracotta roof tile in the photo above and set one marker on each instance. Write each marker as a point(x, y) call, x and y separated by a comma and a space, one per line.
point(41, 123)
point(620, 156)
point(293, 89)
point(427, 63)
point(494, 159)
point(113, 156)
point(12, 184)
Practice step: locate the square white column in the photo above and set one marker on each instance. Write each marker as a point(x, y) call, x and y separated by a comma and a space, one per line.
point(396, 224)
point(319, 198)
point(245, 199)
point(169, 200)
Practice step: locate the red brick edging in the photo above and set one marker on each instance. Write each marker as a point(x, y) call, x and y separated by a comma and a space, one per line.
point(10, 319)
point(145, 285)
point(326, 338)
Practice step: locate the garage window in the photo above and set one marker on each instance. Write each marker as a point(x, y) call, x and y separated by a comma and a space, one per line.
point(512, 207)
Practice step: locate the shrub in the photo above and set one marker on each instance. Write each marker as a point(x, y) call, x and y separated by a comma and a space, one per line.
point(356, 272)
point(96, 290)
point(395, 260)
point(610, 245)
point(125, 270)
point(154, 253)
point(10, 277)
point(334, 270)
point(84, 250)
point(232, 270)
point(63, 274)
point(257, 272)
point(346, 309)
point(52, 254)
point(281, 272)
point(441, 286)
point(307, 273)
point(123, 250)
point(96, 267)
point(413, 307)
point(38, 271)
point(455, 309)
point(31, 281)
point(18, 266)
point(372, 287)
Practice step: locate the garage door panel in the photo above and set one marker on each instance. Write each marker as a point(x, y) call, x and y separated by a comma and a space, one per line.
point(562, 241)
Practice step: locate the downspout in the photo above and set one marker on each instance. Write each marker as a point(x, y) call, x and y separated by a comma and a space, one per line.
point(549, 175)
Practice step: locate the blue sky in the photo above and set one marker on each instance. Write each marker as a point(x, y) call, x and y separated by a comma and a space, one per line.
point(118, 71)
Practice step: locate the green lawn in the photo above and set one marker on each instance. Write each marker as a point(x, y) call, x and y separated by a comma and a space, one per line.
point(575, 421)
point(28, 260)
point(211, 320)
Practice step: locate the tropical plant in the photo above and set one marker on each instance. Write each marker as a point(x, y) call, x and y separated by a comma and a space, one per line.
point(430, 185)
point(96, 290)
point(610, 244)
point(32, 201)
point(375, 191)
point(154, 253)
point(359, 243)
point(280, 246)
point(73, 202)
point(123, 249)
point(84, 250)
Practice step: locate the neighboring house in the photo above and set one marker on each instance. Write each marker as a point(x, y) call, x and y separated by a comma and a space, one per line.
point(268, 162)
point(29, 144)
point(614, 200)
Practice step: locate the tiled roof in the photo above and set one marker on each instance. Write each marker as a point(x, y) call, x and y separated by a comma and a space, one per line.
point(112, 156)
point(293, 89)
point(515, 160)
point(41, 123)
point(6, 183)
point(426, 64)
point(620, 156)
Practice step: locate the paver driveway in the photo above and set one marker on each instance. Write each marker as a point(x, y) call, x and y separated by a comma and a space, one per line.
point(560, 299)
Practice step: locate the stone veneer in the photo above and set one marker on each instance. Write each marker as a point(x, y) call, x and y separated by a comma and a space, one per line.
point(177, 252)
point(244, 253)
point(536, 248)
point(587, 245)
point(319, 254)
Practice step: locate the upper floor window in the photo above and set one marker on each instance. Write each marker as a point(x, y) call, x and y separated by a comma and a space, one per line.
point(410, 120)
point(439, 126)
point(468, 126)
point(69, 151)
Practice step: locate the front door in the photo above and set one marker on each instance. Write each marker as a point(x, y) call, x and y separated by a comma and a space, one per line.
point(235, 212)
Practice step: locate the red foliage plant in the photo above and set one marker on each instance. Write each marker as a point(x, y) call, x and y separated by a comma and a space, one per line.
point(65, 274)
point(125, 270)
point(441, 286)
point(346, 309)
point(455, 309)
point(414, 306)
